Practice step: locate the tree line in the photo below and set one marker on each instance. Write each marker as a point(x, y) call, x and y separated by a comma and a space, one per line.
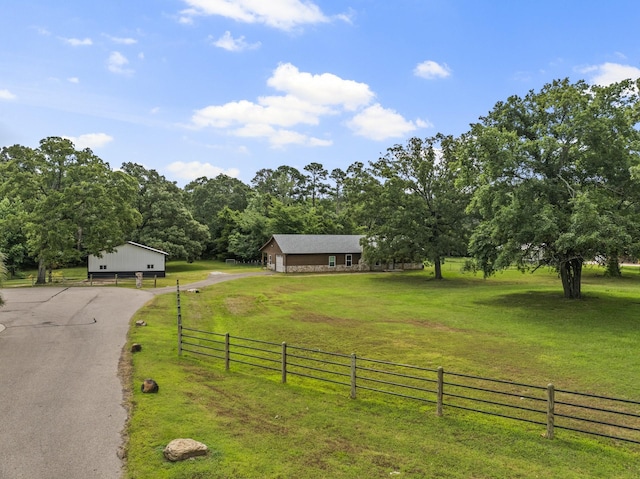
point(549, 179)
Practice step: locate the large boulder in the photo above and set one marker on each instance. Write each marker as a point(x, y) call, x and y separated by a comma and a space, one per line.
point(181, 449)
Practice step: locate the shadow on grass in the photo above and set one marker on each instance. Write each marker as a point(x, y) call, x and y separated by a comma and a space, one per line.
point(421, 278)
point(594, 311)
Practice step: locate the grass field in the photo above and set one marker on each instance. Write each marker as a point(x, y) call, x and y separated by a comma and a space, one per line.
point(513, 326)
point(176, 270)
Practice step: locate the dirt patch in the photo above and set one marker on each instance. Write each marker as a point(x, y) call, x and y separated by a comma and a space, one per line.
point(324, 319)
point(239, 305)
point(125, 374)
point(429, 325)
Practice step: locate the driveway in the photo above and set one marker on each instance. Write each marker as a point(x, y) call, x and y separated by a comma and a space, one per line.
point(61, 413)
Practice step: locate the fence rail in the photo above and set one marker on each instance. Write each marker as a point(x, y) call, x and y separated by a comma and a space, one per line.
point(545, 406)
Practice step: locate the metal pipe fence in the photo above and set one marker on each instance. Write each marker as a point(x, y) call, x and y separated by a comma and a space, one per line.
point(545, 406)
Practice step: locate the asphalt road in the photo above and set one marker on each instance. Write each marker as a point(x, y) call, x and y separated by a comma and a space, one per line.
point(61, 412)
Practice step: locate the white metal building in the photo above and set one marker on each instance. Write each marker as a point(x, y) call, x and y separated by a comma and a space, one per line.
point(127, 260)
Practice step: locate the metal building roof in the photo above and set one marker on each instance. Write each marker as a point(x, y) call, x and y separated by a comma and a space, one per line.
point(147, 247)
point(318, 244)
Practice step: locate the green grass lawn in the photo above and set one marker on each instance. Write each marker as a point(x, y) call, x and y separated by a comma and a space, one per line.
point(513, 326)
point(175, 270)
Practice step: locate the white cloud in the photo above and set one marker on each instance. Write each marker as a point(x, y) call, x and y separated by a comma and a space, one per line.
point(307, 100)
point(7, 95)
point(278, 137)
point(194, 169)
point(323, 89)
point(42, 31)
point(431, 70)
point(76, 42)
point(281, 14)
point(378, 123)
point(280, 111)
point(155, 110)
point(609, 73)
point(73, 80)
point(231, 44)
point(122, 40)
point(90, 140)
point(117, 63)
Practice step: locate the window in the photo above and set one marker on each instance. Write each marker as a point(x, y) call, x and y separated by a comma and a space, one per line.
point(103, 266)
point(149, 266)
point(270, 260)
point(348, 260)
point(332, 261)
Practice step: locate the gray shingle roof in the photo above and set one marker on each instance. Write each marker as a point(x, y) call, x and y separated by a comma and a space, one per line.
point(319, 244)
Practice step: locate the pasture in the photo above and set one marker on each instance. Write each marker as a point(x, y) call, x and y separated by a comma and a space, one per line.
point(514, 326)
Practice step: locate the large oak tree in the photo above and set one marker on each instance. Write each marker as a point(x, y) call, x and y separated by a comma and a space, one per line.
point(553, 183)
point(416, 211)
point(73, 203)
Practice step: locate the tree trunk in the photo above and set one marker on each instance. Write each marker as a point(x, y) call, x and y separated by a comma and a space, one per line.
point(42, 272)
point(437, 264)
point(571, 274)
point(613, 266)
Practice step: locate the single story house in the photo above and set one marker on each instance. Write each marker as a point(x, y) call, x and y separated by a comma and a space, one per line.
point(313, 253)
point(127, 260)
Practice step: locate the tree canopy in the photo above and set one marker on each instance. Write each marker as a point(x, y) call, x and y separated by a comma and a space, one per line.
point(548, 179)
point(71, 202)
point(167, 224)
point(417, 209)
point(213, 203)
point(552, 179)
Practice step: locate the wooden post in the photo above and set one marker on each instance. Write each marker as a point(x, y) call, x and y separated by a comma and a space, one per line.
point(551, 406)
point(353, 375)
point(116, 279)
point(227, 352)
point(284, 362)
point(91, 279)
point(440, 391)
point(179, 318)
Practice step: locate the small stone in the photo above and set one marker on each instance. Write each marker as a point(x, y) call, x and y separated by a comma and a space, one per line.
point(150, 386)
point(136, 348)
point(193, 290)
point(181, 449)
point(140, 323)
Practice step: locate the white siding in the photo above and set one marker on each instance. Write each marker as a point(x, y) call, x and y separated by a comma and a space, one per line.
point(127, 258)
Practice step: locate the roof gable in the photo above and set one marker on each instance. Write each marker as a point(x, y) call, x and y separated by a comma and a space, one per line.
point(318, 244)
point(147, 248)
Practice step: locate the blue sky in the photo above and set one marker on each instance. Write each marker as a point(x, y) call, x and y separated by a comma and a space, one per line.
point(201, 87)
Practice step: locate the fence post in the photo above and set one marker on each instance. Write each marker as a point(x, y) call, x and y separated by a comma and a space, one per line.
point(353, 375)
point(116, 279)
point(179, 317)
point(155, 280)
point(551, 405)
point(91, 279)
point(440, 391)
point(284, 362)
point(227, 353)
